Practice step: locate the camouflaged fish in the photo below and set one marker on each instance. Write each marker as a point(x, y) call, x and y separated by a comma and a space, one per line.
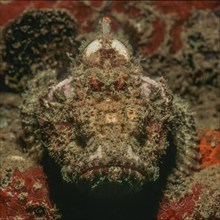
point(107, 125)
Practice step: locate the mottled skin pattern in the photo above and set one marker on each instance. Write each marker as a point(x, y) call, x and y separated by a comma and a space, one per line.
point(107, 125)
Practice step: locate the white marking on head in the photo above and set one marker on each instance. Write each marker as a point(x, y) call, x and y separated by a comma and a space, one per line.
point(97, 154)
point(120, 48)
point(64, 85)
point(93, 47)
point(106, 41)
point(147, 85)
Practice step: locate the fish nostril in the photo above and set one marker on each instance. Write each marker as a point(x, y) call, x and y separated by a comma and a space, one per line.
point(132, 154)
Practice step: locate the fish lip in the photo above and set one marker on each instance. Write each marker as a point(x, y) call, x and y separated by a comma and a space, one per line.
point(103, 167)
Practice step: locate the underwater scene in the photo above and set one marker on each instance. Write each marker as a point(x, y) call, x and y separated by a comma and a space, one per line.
point(109, 110)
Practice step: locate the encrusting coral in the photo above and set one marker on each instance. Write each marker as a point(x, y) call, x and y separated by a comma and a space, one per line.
point(28, 50)
point(197, 197)
point(25, 195)
point(24, 192)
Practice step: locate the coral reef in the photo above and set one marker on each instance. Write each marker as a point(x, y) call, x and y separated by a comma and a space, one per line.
point(179, 209)
point(29, 50)
point(103, 114)
point(197, 197)
point(194, 66)
point(12, 156)
point(158, 31)
point(23, 185)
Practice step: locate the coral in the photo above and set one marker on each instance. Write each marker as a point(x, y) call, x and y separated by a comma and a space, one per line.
point(210, 148)
point(179, 209)
point(197, 197)
point(11, 154)
point(194, 66)
point(107, 122)
point(208, 205)
point(23, 186)
point(24, 195)
point(200, 49)
point(28, 50)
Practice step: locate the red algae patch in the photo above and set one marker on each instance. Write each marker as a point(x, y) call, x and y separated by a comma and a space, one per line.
point(183, 11)
point(210, 148)
point(178, 209)
point(196, 197)
point(25, 195)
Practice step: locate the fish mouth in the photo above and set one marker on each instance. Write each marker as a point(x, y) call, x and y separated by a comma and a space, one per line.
point(112, 170)
point(105, 168)
point(111, 180)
